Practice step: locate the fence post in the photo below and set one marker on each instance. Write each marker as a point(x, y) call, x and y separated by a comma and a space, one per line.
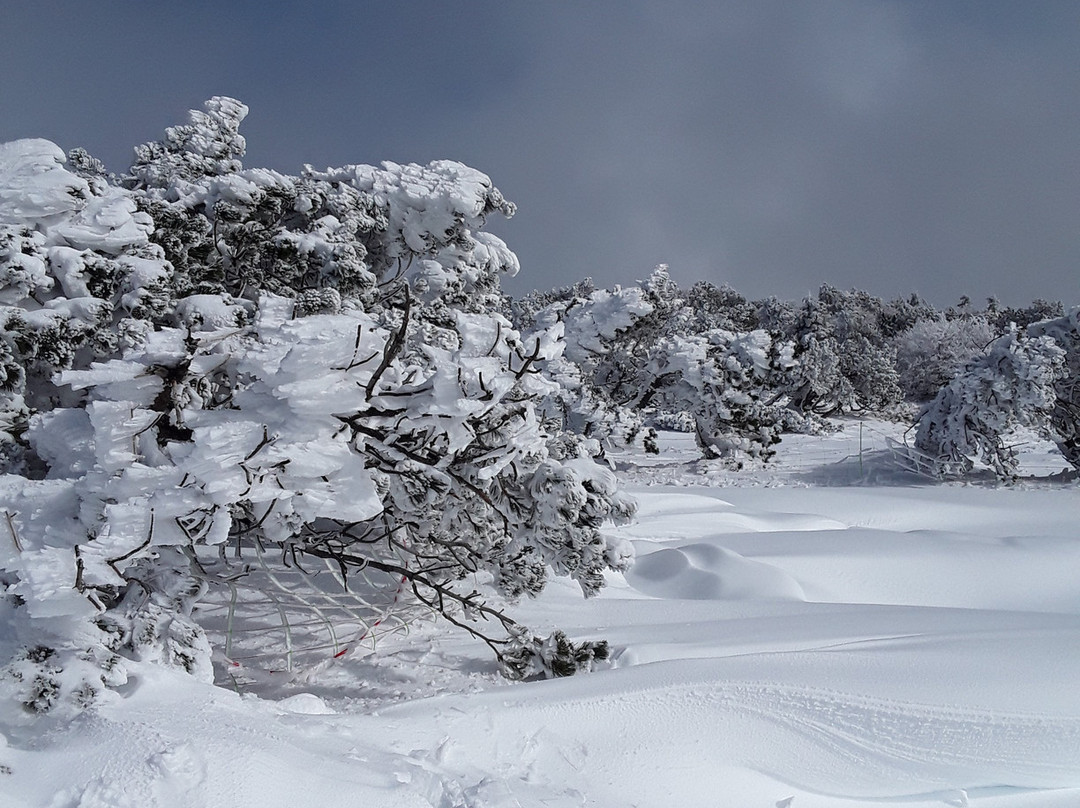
point(860, 448)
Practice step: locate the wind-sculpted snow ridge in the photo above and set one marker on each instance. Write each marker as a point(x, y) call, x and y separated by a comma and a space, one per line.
point(750, 729)
point(707, 714)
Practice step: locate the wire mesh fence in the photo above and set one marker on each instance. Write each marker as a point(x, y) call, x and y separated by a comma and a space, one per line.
point(274, 612)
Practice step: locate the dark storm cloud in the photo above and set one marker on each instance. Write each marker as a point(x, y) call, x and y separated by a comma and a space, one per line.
point(893, 146)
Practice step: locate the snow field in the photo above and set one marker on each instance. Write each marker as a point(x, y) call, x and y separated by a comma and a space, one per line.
point(776, 644)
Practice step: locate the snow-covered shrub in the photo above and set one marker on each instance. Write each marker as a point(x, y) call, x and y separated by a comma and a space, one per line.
point(931, 351)
point(844, 361)
point(710, 307)
point(721, 380)
point(900, 314)
point(207, 355)
point(599, 371)
point(1065, 415)
point(356, 228)
point(79, 277)
point(630, 355)
point(523, 311)
point(969, 419)
point(1002, 318)
point(682, 361)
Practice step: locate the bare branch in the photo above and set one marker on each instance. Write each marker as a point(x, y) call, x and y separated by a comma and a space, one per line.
point(393, 345)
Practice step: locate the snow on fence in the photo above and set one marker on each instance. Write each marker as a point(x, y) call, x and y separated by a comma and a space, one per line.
point(271, 611)
point(912, 460)
point(859, 450)
point(901, 455)
point(1038, 457)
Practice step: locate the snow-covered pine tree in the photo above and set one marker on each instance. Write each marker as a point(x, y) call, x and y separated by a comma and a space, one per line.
point(1002, 317)
point(902, 313)
point(1064, 426)
point(357, 230)
point(596, 373)
point(971, 417)
point(932, 350)
point(722, 380)
point(80, 278)
point(618, 372)
point(845, 363)
point(645, 352)
point(308, 362)
point(722, 307)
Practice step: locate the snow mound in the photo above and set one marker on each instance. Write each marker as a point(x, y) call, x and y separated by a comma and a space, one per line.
point(705, 571)
point(305, 704)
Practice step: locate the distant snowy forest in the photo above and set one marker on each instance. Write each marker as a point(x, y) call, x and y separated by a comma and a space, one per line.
point(200, 359)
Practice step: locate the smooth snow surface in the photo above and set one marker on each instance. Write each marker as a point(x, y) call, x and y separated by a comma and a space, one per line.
point(782, 641)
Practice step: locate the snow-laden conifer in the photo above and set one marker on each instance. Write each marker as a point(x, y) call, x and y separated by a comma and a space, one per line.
point(971, 417)
point(932, 350)
point(207, 356)
point(722, 381)
point(1064, 426)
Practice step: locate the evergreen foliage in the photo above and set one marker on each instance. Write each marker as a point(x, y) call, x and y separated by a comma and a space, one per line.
point(971, 417)
point(1064, 418)
point(932, 350)
point(201, 355)
point(721, 380)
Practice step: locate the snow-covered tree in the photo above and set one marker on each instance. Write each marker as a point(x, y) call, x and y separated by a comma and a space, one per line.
point(356, 229)
point(971, 417)
point(931, 351)
point(844, 362)
point(649, 351)
point(1021, 317)
point(597, 374)
point(523, 311)
point(620, 371)
point(721, 380)
point(900, 314)
point(206, 355)
point(653, 353)
point(1064, 426)
point(1029, 378)
point(79, 277)
point(712, 307)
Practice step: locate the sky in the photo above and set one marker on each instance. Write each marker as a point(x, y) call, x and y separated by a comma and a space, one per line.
point(895, 146)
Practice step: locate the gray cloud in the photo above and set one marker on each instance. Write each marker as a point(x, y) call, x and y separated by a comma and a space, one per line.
point(894, 146)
